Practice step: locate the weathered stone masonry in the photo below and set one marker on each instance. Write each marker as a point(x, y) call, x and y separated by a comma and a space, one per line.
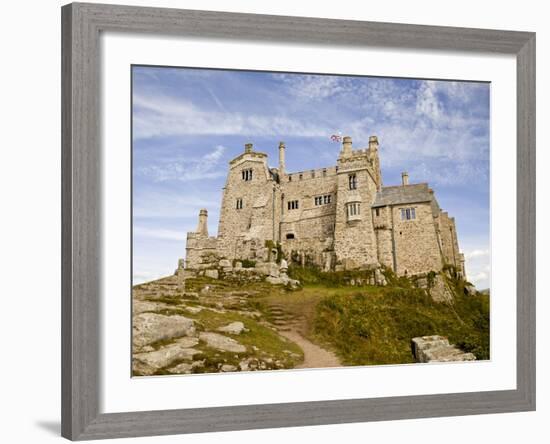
point(339, 217)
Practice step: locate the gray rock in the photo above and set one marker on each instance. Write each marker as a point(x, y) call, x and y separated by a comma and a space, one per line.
point(268, 268)
point(212, 274)
point(243, 365)
point(193, 310)
point(235, 328)
point(184, 367)
point(144, 306)
point(197, 364)
point(152, 327)
point(148, 363)
point(437, 349)
point(440, 291)
point(228, 368)
point(274, 280)
point(221, 342)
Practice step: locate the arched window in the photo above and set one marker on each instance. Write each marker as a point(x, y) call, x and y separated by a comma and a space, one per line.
point(352, 179)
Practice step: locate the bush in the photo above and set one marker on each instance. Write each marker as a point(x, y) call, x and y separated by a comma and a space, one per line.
point(312, 275)
point(246, 263)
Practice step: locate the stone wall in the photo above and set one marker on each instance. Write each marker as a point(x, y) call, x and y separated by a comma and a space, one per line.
point(258, 217)
point(197, 247)
point(325, 235)
point(449, 240)
point(354, 240)
point(308, 220)
point(416, 244)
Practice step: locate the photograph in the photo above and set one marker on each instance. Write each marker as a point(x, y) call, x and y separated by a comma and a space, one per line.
point(291, 220)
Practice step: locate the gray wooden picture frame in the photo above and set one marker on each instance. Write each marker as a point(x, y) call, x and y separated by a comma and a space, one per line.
point(81, 232)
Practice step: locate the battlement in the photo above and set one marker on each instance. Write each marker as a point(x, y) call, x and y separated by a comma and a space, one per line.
point(311, 174)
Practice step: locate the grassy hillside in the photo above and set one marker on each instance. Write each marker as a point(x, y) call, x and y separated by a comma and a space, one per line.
point(374, 325)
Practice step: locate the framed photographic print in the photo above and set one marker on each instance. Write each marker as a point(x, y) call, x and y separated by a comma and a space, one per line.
point(278, 221)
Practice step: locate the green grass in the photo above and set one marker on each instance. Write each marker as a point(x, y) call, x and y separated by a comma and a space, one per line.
point(375, 326)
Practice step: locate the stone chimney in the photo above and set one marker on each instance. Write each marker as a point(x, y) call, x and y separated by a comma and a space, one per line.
point(373, 143)
point(405, 178)
point(202, 228)
point(346, 147)
point(248, 148)
point(281, 158)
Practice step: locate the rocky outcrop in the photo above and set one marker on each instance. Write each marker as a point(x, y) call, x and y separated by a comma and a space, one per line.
point(235, 328)
point(221, 342)
point(151, 327)
point(438, 349)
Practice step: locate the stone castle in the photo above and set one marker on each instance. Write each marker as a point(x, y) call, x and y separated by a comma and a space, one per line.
point(337, 218)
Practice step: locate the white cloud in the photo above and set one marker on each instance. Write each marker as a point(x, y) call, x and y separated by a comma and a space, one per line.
point(427, 102)
point(188, 169)
point(156, 204)
point(476, 253)
point(159, 233)
point(157, 115)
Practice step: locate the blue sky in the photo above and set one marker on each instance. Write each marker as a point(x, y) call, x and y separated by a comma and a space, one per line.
point(188, 124)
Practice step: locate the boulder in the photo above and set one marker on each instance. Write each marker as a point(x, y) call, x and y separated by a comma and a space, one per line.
point(184, 367)
point(212, 274)
point(152, 327)
point(235, 328)
point(221, 342)
point(440, 291)
point(438, 349)
point(149, 363)
point(228, 368)
point(224, 263)
point(145, 306)
point(268, 269)
point(193, 310)
point(238, 265)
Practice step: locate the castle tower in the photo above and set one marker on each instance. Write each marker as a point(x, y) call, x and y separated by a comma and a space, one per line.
point(281, 159)
point(375, 160)
point(346, 147)
point(248, 209)
point(202, 228)
point(357, 184)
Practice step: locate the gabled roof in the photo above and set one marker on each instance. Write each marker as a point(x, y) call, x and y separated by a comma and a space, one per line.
point(403, 194)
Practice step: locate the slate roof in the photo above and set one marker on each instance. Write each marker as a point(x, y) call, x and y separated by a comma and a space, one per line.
point(403, 194)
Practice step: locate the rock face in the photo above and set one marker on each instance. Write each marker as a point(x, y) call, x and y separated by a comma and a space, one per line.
point(149, 363)
point(437, 349)
point(152, 327)
point(221, 342)
point(212, 274)
point(235, 328)
point(440, 291)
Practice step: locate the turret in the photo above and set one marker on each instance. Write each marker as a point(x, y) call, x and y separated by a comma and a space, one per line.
point(248, 148)
point(373, 143)
point(202, 228)
point(281, 158)
point(346, 147)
